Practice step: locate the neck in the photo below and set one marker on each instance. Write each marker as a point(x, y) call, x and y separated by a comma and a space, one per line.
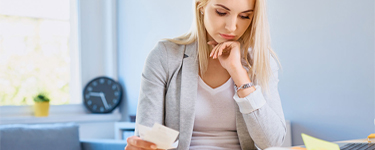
point(209, 38)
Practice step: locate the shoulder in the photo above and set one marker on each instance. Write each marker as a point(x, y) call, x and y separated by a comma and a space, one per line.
point(166, 53)
point(168, 46)
point(168, 50)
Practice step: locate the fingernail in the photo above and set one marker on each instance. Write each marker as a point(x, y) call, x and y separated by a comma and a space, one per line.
point(153, 146)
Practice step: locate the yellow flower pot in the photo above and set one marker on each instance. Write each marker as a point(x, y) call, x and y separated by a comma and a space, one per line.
point(41, 109)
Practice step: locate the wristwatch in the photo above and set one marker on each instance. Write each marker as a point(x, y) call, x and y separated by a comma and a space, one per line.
point(243, 86)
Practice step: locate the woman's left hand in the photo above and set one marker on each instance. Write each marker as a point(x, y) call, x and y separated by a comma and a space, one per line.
point(228, 53)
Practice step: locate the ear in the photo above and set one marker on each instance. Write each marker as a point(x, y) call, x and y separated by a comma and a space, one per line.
point(202, 8)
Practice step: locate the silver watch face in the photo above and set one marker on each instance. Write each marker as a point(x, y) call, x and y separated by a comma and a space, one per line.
point(247, 85)
point(244, 86)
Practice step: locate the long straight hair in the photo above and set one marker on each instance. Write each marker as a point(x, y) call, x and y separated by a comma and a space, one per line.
point(255, 43)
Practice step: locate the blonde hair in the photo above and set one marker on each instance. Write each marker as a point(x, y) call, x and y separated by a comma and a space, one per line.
point(256, 37)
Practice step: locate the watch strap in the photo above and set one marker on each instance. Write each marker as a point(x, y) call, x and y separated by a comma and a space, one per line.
point(243, 86)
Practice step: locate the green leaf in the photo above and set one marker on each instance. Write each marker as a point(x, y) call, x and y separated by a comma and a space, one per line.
point(41, 98)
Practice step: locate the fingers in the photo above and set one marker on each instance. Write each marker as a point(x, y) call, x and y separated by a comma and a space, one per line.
point(219, 49)
point(226, 49)
point(214, 51)
point(213, 44)
point(135, 142)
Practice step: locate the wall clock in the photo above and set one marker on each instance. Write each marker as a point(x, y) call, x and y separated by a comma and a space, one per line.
point(102, 95)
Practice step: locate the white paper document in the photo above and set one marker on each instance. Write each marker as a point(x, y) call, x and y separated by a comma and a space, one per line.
point(161, 135)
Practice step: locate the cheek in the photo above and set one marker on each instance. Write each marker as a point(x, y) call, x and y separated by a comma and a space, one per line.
point(212, 22)
point(242, 26)
point(213, 25)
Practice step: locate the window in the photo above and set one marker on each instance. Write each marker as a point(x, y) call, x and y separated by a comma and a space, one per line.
point(61, 14)
point(38, 51)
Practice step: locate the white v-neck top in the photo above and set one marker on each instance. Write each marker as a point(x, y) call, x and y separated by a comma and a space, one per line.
point(215, 118)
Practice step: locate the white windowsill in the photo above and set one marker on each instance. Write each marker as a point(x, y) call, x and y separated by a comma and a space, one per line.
point(60, 118)
point(57, 114)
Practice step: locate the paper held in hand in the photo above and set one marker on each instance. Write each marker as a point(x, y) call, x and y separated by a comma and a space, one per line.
point(161, 135)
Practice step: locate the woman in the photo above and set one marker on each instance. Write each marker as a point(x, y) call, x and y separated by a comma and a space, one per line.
point(187, 82)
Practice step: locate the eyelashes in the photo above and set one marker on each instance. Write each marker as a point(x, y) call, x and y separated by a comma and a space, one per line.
point(245, 17)
point(222, 14)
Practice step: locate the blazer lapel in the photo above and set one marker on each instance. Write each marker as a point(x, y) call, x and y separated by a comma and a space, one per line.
point(189, 86)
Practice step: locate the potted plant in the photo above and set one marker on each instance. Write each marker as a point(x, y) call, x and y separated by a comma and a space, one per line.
point(41, 106)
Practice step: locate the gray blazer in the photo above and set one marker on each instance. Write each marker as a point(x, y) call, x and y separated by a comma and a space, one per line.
point(168, 90)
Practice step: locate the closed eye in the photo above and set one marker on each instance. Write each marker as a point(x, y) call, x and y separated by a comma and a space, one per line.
point(220, 14)
point(245, 17)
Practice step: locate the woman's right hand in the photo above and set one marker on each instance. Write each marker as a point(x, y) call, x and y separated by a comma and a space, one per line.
point(136, 143)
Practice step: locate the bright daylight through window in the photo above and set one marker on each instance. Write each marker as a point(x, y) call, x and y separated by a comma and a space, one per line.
point(34, 51)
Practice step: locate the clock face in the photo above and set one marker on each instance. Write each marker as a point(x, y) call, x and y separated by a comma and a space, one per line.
point(102, 95)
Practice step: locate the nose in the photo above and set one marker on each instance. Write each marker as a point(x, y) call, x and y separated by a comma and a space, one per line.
point(231, 24)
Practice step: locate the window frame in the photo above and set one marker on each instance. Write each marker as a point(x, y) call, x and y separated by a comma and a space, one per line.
point(75, 84)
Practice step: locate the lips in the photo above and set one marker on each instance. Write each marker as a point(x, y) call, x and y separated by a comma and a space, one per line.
point(226, 36)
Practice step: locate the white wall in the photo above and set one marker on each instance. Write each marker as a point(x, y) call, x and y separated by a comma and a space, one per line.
point(141, 24)
point(326, 48)
point(97, 20)
point(97, 26)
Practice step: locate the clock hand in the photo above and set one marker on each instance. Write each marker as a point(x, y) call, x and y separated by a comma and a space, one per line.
point(104, 100)
point(102, 97)
point(95, 93)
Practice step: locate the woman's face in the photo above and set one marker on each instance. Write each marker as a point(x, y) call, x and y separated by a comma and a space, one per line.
point(227, 20)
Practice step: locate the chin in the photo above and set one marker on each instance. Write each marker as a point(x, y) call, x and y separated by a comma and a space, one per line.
point(220, 40)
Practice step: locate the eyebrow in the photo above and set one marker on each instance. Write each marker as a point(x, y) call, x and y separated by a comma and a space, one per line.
point(229, 9)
